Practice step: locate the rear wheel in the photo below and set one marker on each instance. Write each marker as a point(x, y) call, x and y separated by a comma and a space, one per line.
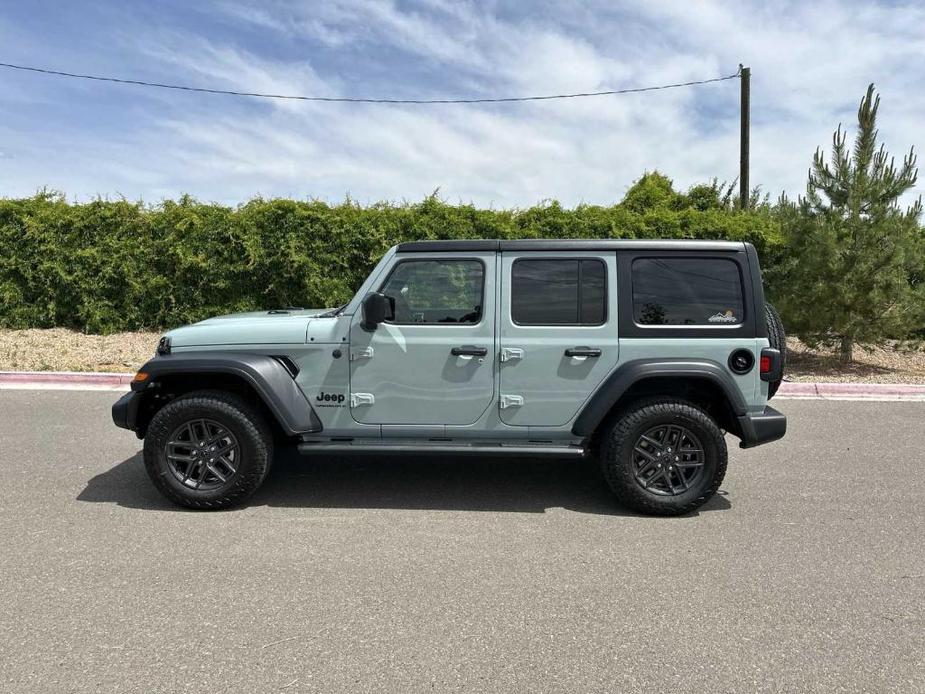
point(664, 457)
point(208, 450)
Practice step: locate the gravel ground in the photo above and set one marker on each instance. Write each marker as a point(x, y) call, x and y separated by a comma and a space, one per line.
point(66, 350)
point(881, 365)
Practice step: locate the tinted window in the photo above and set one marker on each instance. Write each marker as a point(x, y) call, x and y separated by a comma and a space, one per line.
point(436, 291)
point(558, 292)
point(687, 291)
point(593, 297)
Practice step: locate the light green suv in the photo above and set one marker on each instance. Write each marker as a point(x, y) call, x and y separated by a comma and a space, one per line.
point(642, 354)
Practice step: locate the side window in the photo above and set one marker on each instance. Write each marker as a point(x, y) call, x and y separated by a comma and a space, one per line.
point(558, 292)
point(436, 291)
point(687, 291)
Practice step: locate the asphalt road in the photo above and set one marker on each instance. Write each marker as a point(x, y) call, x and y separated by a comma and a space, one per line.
point(807, 573)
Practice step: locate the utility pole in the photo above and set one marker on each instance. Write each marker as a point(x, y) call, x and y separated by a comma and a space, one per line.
point(745, 77)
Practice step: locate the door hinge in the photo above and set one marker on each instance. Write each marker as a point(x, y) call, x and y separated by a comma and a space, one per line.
point(511, 401)
point(358, 399)
point(365, 353)
point(511, 353)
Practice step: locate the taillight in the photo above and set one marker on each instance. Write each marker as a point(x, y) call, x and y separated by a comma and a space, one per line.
point(769, 364)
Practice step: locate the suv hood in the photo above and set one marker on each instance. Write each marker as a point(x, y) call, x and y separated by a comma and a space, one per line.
point(254, 328)
point(267, 315)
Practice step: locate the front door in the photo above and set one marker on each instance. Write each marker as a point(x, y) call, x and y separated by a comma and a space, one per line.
point(433, 364)
point(558, 333)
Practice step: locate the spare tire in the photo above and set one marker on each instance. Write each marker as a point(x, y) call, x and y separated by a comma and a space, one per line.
point(778, 339)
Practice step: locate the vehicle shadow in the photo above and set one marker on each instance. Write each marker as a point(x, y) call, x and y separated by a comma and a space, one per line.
point(393, 482)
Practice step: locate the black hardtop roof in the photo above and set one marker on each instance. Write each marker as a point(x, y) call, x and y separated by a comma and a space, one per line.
point(472, 245)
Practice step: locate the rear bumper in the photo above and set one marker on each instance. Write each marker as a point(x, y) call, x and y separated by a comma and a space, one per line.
point(762, 427)
point(125, 411)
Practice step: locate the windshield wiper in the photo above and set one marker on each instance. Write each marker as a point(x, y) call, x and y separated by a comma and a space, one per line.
point(334, 313)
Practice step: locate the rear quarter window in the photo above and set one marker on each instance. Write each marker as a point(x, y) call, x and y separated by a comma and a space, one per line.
point(687, 292)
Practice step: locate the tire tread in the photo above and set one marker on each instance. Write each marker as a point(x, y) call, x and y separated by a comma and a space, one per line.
point(778, 339)
point(619, 435)
point(252, 427)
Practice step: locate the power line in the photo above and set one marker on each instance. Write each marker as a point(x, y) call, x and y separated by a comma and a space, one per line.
point(355, 100)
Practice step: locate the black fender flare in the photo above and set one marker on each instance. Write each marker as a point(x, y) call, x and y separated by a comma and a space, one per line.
point(272, 382)
point(623, 377)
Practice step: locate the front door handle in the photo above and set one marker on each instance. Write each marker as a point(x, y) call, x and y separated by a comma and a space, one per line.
point(469, 351)
point(582, 352)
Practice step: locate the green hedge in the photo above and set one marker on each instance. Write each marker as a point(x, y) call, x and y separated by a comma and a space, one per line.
point(107, 266)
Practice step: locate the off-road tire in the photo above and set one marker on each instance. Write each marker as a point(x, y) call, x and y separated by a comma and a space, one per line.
point(254, 437)
point(616, 456)
point(778, 339)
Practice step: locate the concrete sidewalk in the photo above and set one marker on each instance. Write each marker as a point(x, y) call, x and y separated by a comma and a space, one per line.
point(72, 380)
point(852, 391)
point(64, 380)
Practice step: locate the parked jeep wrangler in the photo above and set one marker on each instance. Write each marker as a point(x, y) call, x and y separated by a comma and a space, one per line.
point(642, 354)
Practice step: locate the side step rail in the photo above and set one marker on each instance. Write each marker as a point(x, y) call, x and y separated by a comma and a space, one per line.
point(416, 447)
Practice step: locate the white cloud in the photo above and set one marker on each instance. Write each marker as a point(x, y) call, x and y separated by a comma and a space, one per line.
point(811, 63)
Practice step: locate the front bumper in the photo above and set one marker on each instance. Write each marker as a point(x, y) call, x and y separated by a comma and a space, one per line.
point(762, 427)
point(125, 411)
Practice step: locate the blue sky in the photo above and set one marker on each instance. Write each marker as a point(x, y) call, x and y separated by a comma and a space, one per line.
point(811, 63)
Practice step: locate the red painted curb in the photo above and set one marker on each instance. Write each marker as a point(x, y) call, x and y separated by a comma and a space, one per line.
point(849, 389)
point(50, 379)
point(805, 389)
point(66, 379)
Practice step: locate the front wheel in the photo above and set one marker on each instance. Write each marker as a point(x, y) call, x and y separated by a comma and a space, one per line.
point(664, 457)
point(208, 450)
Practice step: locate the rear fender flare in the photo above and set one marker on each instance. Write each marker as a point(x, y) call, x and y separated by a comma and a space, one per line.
point(625, 376)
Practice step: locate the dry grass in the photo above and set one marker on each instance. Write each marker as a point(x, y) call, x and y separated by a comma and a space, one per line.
point(66, 350)
point(887, 364)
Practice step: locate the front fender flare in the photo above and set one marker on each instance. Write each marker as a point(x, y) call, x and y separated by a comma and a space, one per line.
point(623, 378)
point(267, 376)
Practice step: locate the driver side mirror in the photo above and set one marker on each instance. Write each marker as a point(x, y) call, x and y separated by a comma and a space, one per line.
point(377, 308)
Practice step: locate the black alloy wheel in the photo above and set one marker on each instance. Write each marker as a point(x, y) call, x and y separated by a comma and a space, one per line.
point(208, 449)
point(202, 454)
point(663, 456)
point(668, 460)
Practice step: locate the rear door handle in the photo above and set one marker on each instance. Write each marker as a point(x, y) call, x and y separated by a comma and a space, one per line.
point(469, 351)
point(582, 352)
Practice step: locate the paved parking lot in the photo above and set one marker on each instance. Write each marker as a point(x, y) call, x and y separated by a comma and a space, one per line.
point(807, 573)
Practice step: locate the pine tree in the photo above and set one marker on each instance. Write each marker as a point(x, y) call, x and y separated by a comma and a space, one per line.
point(855, 257)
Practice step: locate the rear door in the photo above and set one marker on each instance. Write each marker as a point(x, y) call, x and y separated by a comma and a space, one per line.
point(433, 364)
point(558, 334)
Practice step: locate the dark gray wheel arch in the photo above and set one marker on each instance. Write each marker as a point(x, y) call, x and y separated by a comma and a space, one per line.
point(269, 379)
point(632, 372)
